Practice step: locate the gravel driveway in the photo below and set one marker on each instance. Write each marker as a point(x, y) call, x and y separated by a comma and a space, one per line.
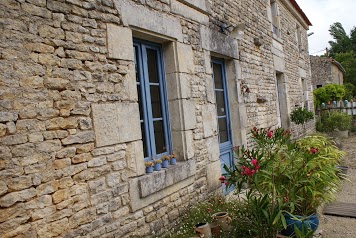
point(339, 227)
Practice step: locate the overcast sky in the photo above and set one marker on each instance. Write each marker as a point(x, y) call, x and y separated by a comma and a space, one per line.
point(323, 13)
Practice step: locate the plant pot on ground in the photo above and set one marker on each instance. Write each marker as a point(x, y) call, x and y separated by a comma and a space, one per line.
point(335, 122)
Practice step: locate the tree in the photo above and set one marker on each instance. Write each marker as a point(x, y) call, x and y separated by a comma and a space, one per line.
point(342, 41)
point(348, 61)
point(343, 49)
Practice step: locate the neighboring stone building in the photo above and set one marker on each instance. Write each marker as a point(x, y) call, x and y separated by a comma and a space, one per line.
point(326, 70)
point(90, 89)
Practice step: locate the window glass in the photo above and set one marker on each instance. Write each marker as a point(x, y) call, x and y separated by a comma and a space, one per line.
point(151, 99)
point(156, 101)
point(223, 133)
point(152, 66)
point(220, 103)
point(159, 136)
point(217, 76)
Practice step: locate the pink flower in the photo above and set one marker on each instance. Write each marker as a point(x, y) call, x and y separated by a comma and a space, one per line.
point(254, 162)
point(257, 167)
point(226, 183)
point(269, 134)
point(286, 198)
point(222, 179)
point(313, 150)
point(248, 172)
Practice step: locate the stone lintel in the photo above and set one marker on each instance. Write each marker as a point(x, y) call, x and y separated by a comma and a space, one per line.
point(199, 5)
point(188, 12)
point(302, 73)
point(279, 64)
point(141, 17)
point(219, 43)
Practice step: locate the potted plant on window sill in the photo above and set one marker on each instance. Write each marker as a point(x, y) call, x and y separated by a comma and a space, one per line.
point(157, 164)
point(173, 159)
point(165, 161)
point(149, 167)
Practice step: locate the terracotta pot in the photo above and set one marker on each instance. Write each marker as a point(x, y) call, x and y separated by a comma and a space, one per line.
point(203, 229)
point(223, 219)
point(215, 229)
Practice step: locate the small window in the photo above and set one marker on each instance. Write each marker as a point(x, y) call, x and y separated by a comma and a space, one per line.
point(319, 86)
point(275, 17)
point(152, 99)
point(299, 38)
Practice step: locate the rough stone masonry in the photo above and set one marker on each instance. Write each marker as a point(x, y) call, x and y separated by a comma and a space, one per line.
point(71, 152)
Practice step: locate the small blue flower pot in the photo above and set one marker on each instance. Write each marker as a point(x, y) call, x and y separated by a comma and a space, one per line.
point(157, 167)
point(165, 163)
point(149, 170)
point(173, 161)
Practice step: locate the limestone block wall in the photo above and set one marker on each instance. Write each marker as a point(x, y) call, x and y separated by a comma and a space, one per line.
point(321, 71)
point(297, 67)
point(325, 71)
point(71, 156)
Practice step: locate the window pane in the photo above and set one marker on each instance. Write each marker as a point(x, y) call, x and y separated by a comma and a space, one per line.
point(156, 102)
point(217, 76)
point(139, 100)
point(152, 66)
point(144, 140)
point(220, 103)
point(223, 133)
point(136, 66)
point(159, 137)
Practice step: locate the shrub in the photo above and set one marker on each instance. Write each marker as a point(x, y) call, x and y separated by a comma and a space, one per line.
point(329, 121)
point(330, 92)
point(284, 176)
point(301, 115)
point(350, 91)
point(202, 212)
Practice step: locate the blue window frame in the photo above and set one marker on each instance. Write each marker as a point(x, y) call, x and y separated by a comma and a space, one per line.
point(152, 99)
point(222, 103)
point(223, 117)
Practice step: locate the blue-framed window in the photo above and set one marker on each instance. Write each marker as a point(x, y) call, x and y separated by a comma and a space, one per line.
point(222, 102)
point(152, 99)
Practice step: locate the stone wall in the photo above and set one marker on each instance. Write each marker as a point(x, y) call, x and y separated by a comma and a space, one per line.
point(325, 71)
point(71, 159)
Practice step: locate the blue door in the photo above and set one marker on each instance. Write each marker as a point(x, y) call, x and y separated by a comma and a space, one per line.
point(223, 115)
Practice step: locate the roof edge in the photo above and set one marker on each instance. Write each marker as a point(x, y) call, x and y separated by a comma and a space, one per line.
point(300, 11)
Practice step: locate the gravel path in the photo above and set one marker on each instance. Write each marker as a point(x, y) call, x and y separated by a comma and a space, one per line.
point(339, 227)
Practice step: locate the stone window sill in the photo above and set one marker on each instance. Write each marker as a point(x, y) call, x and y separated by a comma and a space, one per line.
point(150, 188)
point(277, 38)
point(158, 180)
